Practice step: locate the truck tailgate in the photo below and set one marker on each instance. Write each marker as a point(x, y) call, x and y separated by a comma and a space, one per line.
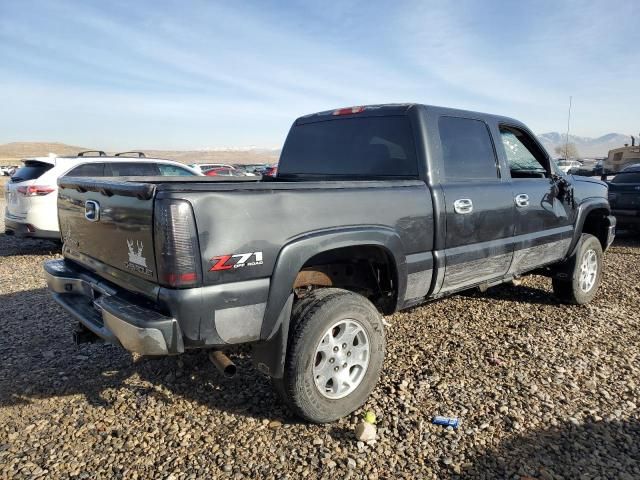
point(109, 223)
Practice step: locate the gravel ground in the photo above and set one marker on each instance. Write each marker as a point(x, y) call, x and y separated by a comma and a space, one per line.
point(543, 390)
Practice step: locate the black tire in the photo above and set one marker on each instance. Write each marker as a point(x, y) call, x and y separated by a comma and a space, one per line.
point(567, 282)
point(311, 318)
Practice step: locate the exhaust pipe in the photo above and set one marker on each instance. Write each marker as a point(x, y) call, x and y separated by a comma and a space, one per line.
point(223, 363)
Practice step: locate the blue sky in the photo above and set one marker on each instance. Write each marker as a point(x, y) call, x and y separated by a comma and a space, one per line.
point(197, 74)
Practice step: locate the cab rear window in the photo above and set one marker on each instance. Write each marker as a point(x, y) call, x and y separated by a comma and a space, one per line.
point(364, 147)
point(30, 171)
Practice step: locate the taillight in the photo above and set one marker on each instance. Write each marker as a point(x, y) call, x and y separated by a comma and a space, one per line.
point(35, 190)
point(348, 111)
point(176, 242)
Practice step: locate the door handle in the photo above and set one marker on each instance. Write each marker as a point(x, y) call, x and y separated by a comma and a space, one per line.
point(463, 205)
point(522, 200)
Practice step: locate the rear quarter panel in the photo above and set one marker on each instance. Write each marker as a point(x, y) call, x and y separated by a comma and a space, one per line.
point(265, 219)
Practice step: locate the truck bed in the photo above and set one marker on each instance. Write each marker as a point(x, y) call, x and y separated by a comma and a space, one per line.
point(242, 229)
point(238, 216)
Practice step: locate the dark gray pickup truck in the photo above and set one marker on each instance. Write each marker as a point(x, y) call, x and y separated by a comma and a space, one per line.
point(374, 209)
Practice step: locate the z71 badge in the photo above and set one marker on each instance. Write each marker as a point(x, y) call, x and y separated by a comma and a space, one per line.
point(239, 260)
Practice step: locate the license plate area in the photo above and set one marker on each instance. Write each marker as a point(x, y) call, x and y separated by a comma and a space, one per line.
point(96, 292)
point(95, 295)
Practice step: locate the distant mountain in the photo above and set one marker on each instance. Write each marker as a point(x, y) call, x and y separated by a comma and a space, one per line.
point(12, 153)
point(587, 146)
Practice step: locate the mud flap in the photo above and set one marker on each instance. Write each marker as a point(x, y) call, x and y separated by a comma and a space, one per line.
point(269, 356)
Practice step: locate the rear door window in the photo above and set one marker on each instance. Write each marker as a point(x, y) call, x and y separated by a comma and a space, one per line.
point(30, 171)
point(132, 169)
point(467, 150)
point(88, 170)
point(352, 147)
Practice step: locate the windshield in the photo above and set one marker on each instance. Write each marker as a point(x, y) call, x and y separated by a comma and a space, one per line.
point(30, 171)
point(354, 147)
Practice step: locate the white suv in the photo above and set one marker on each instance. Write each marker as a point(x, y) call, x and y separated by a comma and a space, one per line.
point(31, 194)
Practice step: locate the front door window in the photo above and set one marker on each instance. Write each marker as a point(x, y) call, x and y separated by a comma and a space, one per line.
point(525, 158)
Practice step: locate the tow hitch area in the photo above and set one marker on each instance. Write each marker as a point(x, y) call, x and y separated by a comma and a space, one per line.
point(83, 335)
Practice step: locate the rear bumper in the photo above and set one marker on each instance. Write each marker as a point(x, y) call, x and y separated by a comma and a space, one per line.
point(110, 314)
point(177, 319)
point(22, 229)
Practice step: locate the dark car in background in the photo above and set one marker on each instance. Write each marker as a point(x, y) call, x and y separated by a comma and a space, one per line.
point(598, 169)
point(624, 197)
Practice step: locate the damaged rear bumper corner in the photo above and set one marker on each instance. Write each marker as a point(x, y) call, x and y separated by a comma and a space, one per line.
point(117, 320)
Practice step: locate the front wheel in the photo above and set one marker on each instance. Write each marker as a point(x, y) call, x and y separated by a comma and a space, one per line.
point(334, 357)
point(582, 273)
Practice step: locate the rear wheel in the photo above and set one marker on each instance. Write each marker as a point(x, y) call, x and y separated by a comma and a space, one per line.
point(334, 356)
point(581, 276)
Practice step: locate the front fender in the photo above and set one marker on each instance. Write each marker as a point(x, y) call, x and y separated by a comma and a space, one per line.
point(586, 206)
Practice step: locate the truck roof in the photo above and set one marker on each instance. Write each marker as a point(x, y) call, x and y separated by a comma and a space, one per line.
point(399, 109)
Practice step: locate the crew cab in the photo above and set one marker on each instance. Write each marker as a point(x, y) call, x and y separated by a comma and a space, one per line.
point(374, 209)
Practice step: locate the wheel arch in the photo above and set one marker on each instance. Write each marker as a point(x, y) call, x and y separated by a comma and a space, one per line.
point(298, 252)
point(269, 354)
point(593, 218)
